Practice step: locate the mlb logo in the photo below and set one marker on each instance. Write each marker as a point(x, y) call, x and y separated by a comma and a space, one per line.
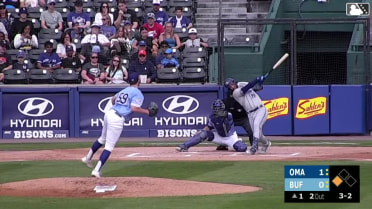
point(357, 9)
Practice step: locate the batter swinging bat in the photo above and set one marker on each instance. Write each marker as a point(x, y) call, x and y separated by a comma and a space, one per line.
point(279, 62)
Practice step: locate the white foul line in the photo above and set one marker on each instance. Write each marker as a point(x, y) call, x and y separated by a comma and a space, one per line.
point(133, 154)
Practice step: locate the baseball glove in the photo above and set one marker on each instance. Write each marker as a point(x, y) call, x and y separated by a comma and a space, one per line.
point(153, 109)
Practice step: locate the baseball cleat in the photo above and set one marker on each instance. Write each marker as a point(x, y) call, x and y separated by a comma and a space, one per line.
point(251, 151)
point(181, 148)
point(87, 162)
point(96, 174)
point(265, 147)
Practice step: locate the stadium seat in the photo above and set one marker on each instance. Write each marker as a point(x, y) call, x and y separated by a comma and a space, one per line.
point(168, 75)
point(131, 4)
point(163, 3)
point(42, 41)
point(181, 3)
point(195, 52)
point(111, 3)
point(15, 76)
point(12, 53)
point(67, 76)
point(86, 4)
point(35, 53)
point(34, 12)
point(125, 63)
point(39, 76)
point(61, 4)
point(50, 34)
point(194, 74)
point(64, 12)
point(192, 62)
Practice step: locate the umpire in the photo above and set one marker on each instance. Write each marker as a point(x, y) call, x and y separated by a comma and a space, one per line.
point(239, 116)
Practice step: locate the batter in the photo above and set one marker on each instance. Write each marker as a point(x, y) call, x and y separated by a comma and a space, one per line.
point(256, 111)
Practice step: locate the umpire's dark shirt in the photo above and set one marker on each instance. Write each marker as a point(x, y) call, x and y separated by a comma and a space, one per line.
point(235, 108)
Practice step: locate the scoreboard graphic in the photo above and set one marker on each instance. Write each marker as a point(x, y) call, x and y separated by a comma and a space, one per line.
point(321, 183)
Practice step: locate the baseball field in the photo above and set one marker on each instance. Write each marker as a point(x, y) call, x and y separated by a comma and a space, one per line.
point(152, 174)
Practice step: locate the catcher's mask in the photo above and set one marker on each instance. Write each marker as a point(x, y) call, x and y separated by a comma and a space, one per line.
point(219, 108)
point(230, 82)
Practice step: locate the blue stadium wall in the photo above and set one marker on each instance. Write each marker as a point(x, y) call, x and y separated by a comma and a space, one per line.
point(77, 111)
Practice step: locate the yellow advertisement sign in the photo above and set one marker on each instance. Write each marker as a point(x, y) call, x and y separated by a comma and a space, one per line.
point(307, 108)
point(277, 107)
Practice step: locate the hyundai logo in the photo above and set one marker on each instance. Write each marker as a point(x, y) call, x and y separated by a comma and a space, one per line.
point(105, 104)
point(35, 107)
point(180, 104)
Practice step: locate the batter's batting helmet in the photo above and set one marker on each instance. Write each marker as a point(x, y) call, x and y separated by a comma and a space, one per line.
point(219, 108)
point(229, 82)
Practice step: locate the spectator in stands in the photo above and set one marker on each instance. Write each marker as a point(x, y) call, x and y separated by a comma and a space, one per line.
point(4, 40)
point(163, 47)
point(65, 41)
point(49, 60)
point(107, 28)
point(51, 18)
point(152, 45)
point(26, 40)
point(179, 21)
point(19, 23)
point(154, 29)
point(5, 59)
point(32, 3)
point(71, 61)
point(143, 67)
point(104, 10)
point(93, 72)
point(169, 60)
point(170, 36)
point(121, 42)
point(79, 16)
point(4, 18)
point(11, 3)
point(123, 14)
point(95, 38)
point(161, 17)
point(116, 73)
point(193, 40)
point(4, 31)
point(75, 32)
point(22, 63)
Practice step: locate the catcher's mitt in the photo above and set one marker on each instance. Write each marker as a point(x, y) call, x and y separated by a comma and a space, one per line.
point(153, 109)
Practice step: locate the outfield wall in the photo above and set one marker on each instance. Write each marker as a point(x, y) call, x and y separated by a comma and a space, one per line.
point(77, 111)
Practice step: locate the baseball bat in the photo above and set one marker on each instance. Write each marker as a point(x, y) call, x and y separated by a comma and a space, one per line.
point(279, 62)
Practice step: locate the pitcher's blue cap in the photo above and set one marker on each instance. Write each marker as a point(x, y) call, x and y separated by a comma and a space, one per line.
point(133, 78)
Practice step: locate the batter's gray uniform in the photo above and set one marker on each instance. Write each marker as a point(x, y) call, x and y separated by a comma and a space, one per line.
point(256, 111)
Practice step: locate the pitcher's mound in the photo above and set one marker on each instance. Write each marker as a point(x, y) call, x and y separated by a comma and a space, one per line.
point(125, 187)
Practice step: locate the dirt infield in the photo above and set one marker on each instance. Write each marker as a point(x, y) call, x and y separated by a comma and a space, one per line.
point(147, 187)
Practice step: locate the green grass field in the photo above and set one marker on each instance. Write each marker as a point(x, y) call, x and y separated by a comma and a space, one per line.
point(268, 175)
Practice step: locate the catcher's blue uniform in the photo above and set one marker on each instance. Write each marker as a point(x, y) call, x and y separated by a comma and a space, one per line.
point(220, 130)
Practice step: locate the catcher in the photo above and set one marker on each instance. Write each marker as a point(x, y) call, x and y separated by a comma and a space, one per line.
point(220, 130)
point(124, 103)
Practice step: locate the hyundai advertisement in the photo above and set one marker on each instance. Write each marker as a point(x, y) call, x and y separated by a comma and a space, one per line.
point(40, 116)
point(180, 114)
